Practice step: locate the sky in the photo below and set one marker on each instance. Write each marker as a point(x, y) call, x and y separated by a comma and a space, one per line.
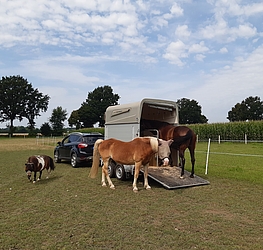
point(208, 51)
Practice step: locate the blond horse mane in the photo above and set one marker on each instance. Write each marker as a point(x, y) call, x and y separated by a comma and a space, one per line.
point(95, 160)
point(154, 143)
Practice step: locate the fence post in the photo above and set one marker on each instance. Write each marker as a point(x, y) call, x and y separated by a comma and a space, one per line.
point(245, 138)
point(207, 156)
point(219, 139)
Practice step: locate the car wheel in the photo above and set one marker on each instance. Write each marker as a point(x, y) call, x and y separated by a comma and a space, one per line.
point(111, 169)
point(56, 157)
point(120, 172)
point(73, 160)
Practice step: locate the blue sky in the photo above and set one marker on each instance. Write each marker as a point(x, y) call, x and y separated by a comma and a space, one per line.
point(210, 51)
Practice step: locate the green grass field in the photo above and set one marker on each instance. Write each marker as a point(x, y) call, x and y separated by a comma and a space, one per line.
point(71, 211)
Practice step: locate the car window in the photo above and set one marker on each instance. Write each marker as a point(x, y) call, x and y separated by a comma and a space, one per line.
point(74, 138)
point(91, 139)
point(66, 140)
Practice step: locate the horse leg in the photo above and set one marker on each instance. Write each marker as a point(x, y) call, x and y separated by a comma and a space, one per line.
point(103, 182)
point(106, 173)
point(182, 161)
point(146, 185)
point(136, 175)
point(192, 154)
point(35, 177)
point(40, 174)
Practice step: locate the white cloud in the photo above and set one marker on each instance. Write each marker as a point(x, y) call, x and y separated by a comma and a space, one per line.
point(198, 48)
point(175, 51)
point(223, 50)
point(231, 84)
point(199, 57)
point(182, 32)
point(75, 46)
point(177, 10)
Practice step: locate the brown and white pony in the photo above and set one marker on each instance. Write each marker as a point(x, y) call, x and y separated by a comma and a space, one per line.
point(37, 163)
point(137, 152)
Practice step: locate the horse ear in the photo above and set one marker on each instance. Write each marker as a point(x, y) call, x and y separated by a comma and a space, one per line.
point(170, 142)
point(159, 142)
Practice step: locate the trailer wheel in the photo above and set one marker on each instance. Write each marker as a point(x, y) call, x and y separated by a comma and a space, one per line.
point(120, 172)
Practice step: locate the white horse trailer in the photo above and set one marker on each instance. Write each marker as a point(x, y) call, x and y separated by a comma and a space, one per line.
point(124, 122)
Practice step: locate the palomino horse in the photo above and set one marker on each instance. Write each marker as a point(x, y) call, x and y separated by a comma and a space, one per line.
point(37, 163)
point(139, 151)
point(182, 136)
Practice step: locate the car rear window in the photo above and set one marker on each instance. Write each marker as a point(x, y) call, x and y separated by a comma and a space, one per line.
point(91, 139)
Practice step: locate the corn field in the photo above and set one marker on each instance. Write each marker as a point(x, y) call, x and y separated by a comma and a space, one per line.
point(234, 131)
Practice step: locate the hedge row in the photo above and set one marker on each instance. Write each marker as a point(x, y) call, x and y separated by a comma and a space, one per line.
point(229, 131)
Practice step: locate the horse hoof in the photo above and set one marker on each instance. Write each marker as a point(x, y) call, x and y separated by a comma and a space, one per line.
point(181, 177)
point(148, 188)
point(104, 185)
point(135, 190)
point(47, 177)
point(192, 176)
point(34, 181)
point(112, 187)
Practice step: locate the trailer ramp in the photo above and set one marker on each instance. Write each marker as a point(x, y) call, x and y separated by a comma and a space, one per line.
point(169, 177)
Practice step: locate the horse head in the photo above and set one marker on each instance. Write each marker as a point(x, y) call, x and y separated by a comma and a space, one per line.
point(164, 150)
point(29, 168)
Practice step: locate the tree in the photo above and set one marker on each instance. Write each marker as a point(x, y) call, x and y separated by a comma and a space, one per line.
point(190, 112)
point(45, 129)
point(57, 118)
point(18, 100)
point(74, 119)
point(93, 110)
point(249, 109)
point(36, 102)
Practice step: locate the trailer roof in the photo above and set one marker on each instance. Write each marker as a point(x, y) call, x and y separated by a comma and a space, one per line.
point(152, 109)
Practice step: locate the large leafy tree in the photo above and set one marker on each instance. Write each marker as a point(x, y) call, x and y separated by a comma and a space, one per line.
point(18, 100)
point(93, 109)
point(190, 112)
point(249, 109)
point(57, 118)
point(74, 119)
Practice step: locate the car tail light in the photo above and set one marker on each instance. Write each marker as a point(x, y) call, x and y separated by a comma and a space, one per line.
point(82, 145)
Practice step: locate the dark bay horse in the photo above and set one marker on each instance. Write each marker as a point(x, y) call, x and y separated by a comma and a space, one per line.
point(182, 136)
point(137, 152)
point(37, 163)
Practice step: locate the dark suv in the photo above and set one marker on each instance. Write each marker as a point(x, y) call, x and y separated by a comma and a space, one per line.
point(76, 148)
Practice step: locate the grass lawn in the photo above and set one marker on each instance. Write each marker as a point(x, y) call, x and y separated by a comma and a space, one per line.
point(71, 211)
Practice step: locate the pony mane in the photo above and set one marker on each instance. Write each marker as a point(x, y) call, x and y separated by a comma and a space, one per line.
point(154, 143)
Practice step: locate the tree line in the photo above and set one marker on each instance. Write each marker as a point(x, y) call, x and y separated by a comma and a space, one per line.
point(19, 100)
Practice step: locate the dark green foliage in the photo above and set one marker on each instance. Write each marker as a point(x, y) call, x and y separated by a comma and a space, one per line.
point(93, 109)
point(74, 119)
point(45, 129)
point(190, 112)
point(230, 131)
point(250, 109)
point(57, 118)
point(18, 100)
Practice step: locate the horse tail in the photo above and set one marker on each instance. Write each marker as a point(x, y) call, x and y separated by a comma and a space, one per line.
point(96, 159)
point(193, 141)
point(51, 163)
